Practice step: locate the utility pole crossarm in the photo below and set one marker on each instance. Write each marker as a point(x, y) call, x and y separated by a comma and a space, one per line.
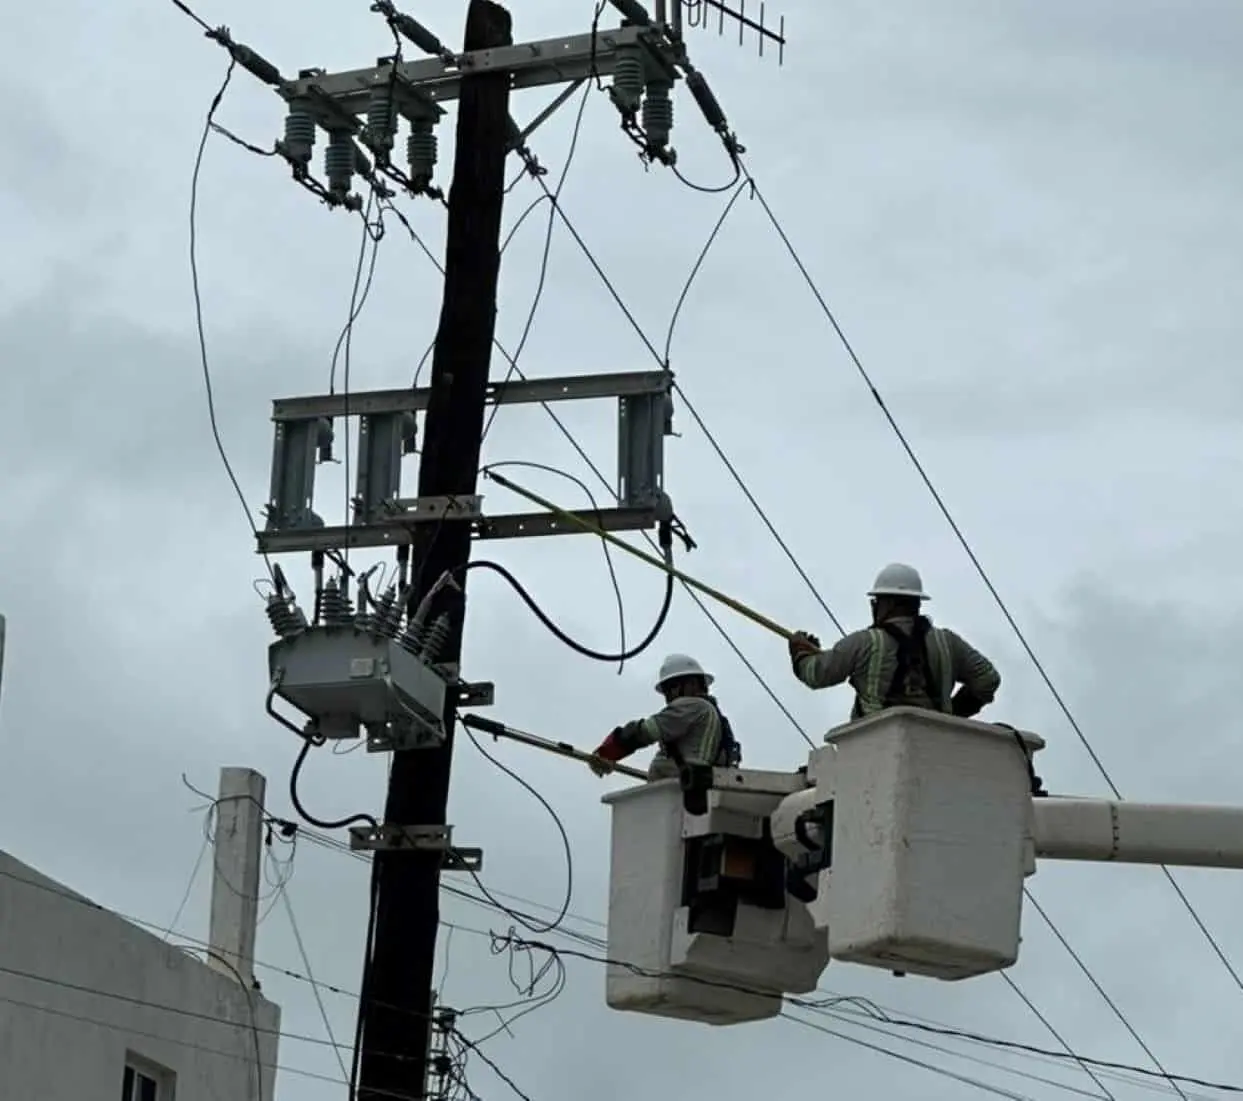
point(1138, 833)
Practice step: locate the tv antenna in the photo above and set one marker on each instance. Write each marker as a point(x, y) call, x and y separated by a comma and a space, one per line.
point(702, 14)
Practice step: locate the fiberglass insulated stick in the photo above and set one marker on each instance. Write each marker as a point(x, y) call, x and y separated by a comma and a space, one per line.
point(562, 749)
point(651, 560)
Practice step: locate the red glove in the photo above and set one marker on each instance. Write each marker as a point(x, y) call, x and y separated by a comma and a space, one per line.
point(609, 751)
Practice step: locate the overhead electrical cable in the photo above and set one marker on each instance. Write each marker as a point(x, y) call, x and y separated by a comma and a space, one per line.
point(1117, 1012)
point(729, 466)
point(1035, 1012)
point(611, 489)
point(200, 326)
point(608, 556)
point(541, 927)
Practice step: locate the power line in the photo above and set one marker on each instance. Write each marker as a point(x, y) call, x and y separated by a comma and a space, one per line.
point(217, 99)
point(733, 471)
point(310, 976)
point(543, 266)
point(874, 1013)
point(898, 1021)
point(608, 486)
point(1035, 1011)
point(1031, 898)
point(547, 927)
point(966, 1080)
point(604, 544)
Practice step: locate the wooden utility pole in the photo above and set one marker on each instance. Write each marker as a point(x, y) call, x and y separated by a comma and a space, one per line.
point(396, 1008)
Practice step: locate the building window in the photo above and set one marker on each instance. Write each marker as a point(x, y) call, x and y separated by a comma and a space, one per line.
point(144, 1081)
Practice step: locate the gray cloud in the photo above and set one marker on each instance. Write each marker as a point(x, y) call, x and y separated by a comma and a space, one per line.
point(1024, 218)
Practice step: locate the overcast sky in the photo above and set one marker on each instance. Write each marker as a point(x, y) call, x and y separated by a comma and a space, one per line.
point(1026, 216)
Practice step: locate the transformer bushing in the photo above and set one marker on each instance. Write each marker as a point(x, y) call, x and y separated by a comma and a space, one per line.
point(421, 152)
point(339, 164)
point(299, 135)
point(628, 80)
point(381, 119)
point(658, 114)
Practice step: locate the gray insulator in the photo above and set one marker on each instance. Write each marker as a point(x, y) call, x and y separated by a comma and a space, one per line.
point(658, 115)
point(628, 77)
point(413, 637)
point(335, 606)
point(300, 135)
point(286, 618)
point(381, 120)
point(436, 638)
point(421, 151)
point(339, 163)
point(386, 616)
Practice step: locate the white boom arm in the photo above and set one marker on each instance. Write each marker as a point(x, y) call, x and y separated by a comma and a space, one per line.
point(1138, 833)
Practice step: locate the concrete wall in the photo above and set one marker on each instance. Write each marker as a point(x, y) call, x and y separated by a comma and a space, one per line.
point(80, 988)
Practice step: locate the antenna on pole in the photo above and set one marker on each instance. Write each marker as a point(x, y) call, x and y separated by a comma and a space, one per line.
point(701, 14)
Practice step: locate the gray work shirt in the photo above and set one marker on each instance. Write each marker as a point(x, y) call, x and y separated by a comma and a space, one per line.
point(692, 723)
point(868, 660)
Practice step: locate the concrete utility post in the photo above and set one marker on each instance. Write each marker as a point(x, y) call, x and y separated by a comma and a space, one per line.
point(236, 877)
point(397, 1012)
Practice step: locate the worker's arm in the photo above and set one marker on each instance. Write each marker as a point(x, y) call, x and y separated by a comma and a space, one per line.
point(975, 673)
point(670, 724)
point(836, 665)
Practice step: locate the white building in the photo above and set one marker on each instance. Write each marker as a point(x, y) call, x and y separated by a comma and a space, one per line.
point(94, 1008)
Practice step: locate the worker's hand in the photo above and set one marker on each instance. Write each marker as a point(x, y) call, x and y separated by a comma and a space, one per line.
point(599, 765)
point(607, 753)
point(802, 643)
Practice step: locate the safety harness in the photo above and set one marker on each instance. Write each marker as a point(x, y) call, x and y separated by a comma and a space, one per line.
point(728, 753)
point(696, 779)
point(912, 679)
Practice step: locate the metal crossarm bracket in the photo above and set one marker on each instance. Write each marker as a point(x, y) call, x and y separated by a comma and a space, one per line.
point(532, 65)
point(381, 517)
point(389, 838)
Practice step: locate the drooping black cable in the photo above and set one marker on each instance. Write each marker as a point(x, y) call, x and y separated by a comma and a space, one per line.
point(573, 644)
point(545, 927)
point(604, 543)
point(699, 260)
point(319, 823)
point(708, 190)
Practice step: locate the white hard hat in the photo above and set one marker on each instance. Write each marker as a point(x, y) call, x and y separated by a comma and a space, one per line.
point(897, 579)
point(680, 665)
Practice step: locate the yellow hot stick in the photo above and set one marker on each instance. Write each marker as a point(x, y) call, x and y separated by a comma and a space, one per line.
point(643, 556)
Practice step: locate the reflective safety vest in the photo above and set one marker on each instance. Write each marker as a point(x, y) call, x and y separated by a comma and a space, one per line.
point(915, 682)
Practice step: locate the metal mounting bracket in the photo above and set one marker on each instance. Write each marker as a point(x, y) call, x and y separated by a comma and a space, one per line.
point(480, 694)
point(383, 518)
point(531, 65)
point(389, 838)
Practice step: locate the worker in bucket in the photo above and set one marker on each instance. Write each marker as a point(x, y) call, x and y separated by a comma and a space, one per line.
point(689, 730)
point(902, 660)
